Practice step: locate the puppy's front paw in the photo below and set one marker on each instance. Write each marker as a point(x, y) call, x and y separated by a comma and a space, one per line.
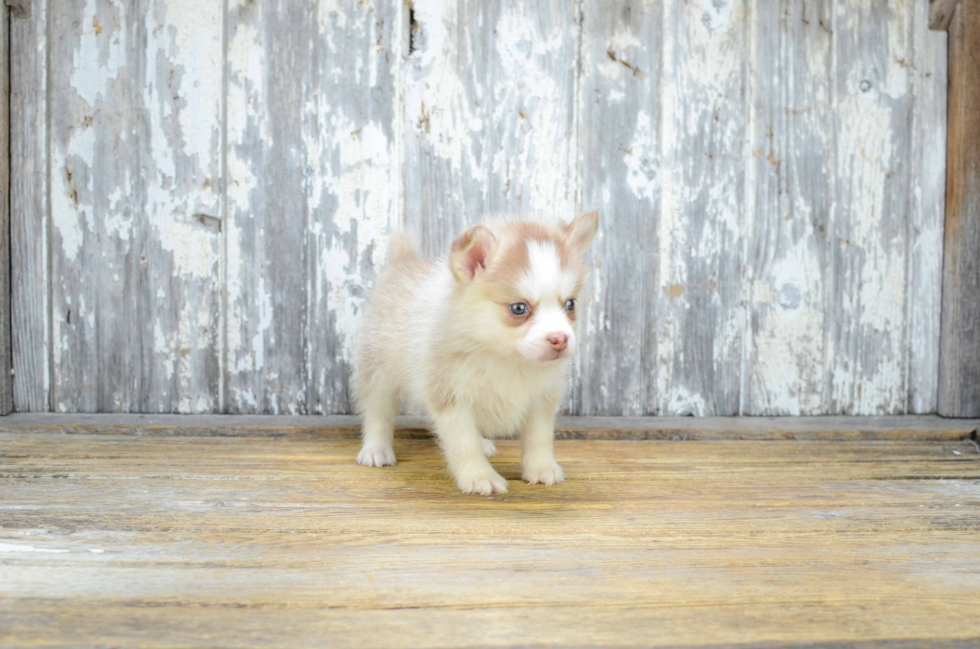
point(546, 473)
point(489, 448)
point(376, 456)
point(479, 481)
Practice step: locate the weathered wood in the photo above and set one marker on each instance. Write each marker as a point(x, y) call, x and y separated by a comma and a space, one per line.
point(700, 315)
point(840, 428)
point(791, 204)
point(489, 116)
point(6, 361)
point(620, 174)
point(236, 169)
point(266, 241)
point(867, 347)
point(18, 8)
point(180, 285)
point(29, 224)
point(940, 13)
point(162, 541)
point(959, 355)
point(354, 183)
point(928, 201)
point(95, 207)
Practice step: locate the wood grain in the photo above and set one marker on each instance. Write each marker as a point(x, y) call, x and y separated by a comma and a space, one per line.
point(928, 204)
point(266, 240)
point(29, 290)
point(145, 540)
point(354, 181)
point(841, 428)
point(489, 114)
point(6, 361)
point(620, 165)
point(789, 247)
point(868, 340)
point(180, 285)
point(202, 194)
point(700, 314)
point(95, 207)
point(959, 353)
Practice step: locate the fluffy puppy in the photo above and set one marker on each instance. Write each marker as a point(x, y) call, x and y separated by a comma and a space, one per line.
point(481, 340)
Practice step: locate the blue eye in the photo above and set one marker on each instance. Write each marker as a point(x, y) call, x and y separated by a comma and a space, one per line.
point(570, 305)
point(518, 309)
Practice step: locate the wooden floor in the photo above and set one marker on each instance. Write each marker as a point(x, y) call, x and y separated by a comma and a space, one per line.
point(166, 535)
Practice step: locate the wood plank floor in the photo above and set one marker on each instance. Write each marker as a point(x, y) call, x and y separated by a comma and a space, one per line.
point(169, 537)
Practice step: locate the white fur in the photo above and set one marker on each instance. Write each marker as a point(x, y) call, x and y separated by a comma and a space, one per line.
point(549, 287)
point(428, 340)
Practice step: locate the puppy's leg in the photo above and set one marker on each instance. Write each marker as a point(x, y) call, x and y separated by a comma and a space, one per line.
point(489, 448)
point(379, 406)
point(461, 442)
point(538, 446)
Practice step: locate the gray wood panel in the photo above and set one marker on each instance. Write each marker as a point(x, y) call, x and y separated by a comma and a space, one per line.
point(180, 288)
point(354, 180)
point(791, 163)
point(6, 363)
point(266, 242)
point(135, 196)
point(620, 174)
point(95, 206)
point(700, 319)
point(30, 293)
point(199, 228)
point(927, 211)
point(959, 360)
point(489, 114)
point(868, 341)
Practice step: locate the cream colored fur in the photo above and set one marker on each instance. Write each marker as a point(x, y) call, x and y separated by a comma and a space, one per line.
point(438, 334)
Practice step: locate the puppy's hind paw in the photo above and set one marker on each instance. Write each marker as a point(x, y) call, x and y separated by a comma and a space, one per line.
point(489, 448)
point(484, 483)
point(376, 456)
point(546, 474)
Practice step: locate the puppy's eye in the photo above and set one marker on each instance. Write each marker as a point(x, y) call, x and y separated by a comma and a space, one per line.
point(570, 305)
point(518, 309)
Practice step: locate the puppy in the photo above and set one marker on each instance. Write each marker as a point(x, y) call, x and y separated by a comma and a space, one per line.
point(481, 340)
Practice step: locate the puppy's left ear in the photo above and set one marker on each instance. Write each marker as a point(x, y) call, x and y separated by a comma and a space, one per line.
point(582, 230)
point(472, 253)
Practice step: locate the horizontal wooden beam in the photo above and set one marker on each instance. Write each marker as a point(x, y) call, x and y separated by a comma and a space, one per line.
point(959, 348)
point(928, 427)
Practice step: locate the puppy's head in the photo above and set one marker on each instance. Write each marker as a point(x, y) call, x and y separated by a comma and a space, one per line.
point(519, 284)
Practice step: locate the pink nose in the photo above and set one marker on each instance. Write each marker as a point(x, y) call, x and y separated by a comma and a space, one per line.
point(557, 341)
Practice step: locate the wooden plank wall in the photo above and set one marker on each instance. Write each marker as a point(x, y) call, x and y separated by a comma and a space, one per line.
point(203, 193)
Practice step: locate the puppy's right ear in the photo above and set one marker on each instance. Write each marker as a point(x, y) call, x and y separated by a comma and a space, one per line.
point(472, 252)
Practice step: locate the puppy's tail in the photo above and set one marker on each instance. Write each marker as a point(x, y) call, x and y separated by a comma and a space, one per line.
point(401, 249)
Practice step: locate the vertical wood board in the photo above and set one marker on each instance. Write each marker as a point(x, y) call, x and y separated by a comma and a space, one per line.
point(700, 316)
point(619, 166)
point(6, 364)
point(30, 294)
point(354, 183)
point(791, 142)
point(959, 360)
point(266, 242)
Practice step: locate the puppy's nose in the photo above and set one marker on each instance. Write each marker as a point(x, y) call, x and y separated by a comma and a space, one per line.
point(558, 341)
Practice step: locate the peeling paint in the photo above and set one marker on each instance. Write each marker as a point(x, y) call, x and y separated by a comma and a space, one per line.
point(224, 179)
